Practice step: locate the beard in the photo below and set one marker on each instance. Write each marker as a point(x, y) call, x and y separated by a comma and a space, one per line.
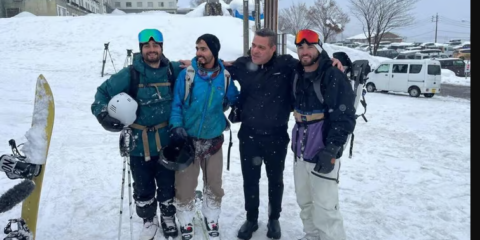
point(204, 60)
point(152, 57)
point(309, 62)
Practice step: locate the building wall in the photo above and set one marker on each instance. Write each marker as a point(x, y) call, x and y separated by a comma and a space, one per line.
point(130, 6)
point(54, 7)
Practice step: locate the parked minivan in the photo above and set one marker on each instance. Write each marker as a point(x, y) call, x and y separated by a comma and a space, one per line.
point(414, 77)
point(457, 65)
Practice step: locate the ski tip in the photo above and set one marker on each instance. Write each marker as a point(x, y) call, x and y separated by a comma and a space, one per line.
point(41, 77)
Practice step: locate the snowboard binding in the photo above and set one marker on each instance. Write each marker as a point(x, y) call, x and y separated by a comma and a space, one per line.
point(21, 233)
point(15, 165)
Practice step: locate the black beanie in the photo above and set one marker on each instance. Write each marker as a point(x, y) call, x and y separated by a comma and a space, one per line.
point(212, 42)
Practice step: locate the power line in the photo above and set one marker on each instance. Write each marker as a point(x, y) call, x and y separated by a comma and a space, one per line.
point(454, 32)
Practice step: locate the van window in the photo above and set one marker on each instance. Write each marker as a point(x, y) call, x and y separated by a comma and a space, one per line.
point(384, 68)
point(400, 68)
point(401, 57)
point(458, 63)
point(415, 68)
point(446, 63)
point(434, 70)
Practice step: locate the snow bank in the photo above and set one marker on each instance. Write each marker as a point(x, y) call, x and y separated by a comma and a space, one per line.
point(25, 14)
point(199, 11)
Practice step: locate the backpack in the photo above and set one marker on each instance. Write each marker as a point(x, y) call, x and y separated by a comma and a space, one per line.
point(189, 77)
point(135, 80)
point(358, 70)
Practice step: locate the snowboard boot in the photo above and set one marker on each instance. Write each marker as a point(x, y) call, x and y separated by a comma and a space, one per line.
point(187, 231)
point(212, 229)
point(273, 229)
point(169, 226)
point(247, 229)
point(150, 227)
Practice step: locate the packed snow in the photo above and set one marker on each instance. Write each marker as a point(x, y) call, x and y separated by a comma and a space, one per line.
point(409, 177)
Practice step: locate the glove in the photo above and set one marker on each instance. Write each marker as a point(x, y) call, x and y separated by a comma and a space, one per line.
point(109, 123)
point(326, 159)
point(179, 134)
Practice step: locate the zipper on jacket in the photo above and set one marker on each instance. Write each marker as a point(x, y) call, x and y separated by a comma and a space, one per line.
point(205, 109)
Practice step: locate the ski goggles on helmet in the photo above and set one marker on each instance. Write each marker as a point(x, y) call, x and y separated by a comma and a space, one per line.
point(308, 36)
point(147, 34)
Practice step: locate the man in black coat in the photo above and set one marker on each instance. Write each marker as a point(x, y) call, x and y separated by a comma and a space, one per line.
point(266, 101)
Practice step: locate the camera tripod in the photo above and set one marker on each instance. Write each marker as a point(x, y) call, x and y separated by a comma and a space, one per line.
point(128, 60)
point(105, 51)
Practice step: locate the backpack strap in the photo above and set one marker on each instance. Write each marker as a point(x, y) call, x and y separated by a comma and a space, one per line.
point(134, 82)
point(171, 76)
point(317, 88)
point(189, 77)
point(295, 80)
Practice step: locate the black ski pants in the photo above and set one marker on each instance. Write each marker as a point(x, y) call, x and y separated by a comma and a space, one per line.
point(272, 150)
point(150, 177)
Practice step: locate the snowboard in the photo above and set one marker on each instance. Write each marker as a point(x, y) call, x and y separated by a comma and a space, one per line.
point(36, 147)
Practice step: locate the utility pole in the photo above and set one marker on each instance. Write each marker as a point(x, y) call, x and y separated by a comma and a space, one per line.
point(435, 19)
point(246, 28)
point(271, 15)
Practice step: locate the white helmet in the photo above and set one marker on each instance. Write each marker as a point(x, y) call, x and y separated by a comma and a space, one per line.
point(124, 108)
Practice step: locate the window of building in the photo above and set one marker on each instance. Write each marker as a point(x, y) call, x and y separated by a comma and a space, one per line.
point(129, 4)
point(160, 4)
point(118, 4)
point(150, 4)
point(139, 4)
point(171, 4)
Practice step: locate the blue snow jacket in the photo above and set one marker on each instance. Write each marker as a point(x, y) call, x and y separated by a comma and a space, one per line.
point(202, 113)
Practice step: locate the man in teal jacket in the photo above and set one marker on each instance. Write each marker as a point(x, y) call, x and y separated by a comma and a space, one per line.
point(150, 132)
point(198, 113)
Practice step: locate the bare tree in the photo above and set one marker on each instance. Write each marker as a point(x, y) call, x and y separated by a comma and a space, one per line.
point(328, 18)
point(294, 18)
point(365, 11)
point(381, 16)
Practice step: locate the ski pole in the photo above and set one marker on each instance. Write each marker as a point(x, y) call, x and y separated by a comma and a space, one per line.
point(121, 200)
point(130, 199)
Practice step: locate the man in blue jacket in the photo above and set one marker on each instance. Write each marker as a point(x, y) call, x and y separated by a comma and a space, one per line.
point(200, 95)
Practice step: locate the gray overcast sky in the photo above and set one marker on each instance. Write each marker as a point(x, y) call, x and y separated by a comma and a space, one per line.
point(450, 25)
point(450, 13)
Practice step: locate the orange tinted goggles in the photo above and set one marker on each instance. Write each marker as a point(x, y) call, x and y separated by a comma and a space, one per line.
point(306, 35)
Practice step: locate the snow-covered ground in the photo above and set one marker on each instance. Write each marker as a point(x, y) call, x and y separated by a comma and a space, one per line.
point(409, 177)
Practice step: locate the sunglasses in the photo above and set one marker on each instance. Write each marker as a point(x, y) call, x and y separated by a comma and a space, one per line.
point(308, 36)
point(147, 34)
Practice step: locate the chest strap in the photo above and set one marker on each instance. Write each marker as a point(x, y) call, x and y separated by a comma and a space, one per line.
point(145, 130)
point(155, 85)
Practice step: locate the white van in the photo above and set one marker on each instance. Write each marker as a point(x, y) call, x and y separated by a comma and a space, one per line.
point(414, 77)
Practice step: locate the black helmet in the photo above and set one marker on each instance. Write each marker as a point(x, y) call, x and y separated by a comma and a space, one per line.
point(178, 155)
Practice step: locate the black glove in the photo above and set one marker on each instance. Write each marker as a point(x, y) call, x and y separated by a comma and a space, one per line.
point(326, 159)
point(109, 123)
point(179, 134)
point(235, 114)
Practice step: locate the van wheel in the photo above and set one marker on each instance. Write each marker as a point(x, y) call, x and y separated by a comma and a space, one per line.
point(414, 92)
point(428, 95)
point(371, 87)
